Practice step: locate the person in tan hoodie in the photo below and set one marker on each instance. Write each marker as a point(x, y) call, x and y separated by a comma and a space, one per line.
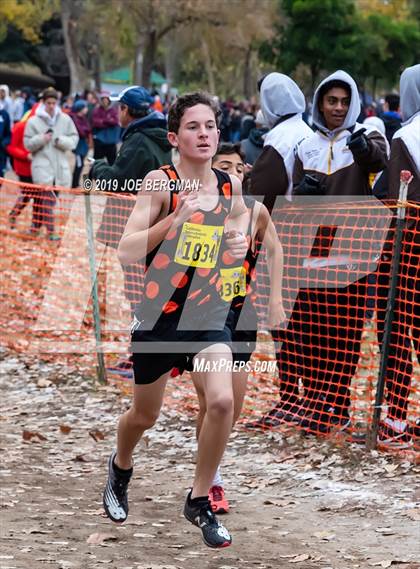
point(335, 161)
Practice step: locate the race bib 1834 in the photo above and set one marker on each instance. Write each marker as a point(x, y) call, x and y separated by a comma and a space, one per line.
point(233, 283)
point(198, 245)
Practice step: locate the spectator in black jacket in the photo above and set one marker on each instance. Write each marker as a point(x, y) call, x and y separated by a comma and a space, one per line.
point(144, 148)
point(253, 145)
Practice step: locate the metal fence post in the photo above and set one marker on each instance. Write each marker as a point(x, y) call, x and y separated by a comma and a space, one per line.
point(101, 373)
point(405, 179)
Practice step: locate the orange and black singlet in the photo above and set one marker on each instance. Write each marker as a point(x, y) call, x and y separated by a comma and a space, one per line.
point(183, 270)
point(236, 283)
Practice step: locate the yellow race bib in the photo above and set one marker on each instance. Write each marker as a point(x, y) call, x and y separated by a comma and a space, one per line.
point(233, 283)
point(198, 245)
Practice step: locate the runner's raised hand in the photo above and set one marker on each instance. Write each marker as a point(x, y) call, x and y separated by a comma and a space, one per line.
point(187, 204)
point(237, 244)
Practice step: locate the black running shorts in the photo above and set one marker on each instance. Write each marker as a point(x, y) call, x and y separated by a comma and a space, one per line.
point(149, 366)
point(246, 339)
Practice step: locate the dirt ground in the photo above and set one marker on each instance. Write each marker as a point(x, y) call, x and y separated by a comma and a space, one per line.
point(296, 502)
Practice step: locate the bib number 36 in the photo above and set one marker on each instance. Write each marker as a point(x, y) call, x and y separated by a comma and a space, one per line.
point(233, 283)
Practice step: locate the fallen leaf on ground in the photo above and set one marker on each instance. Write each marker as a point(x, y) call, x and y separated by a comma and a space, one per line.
point(280, 503)
point(388, 562)
point(43, 382)
point(325, 535)
point(97, 435)
point(80, 458)
point(385, 531)
point(100, 538)
point(299, 558)
point(413, 514)
point(65, 429)
point(29, 435)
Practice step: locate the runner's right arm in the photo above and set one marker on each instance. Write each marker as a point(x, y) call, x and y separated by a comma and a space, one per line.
point(147, 225)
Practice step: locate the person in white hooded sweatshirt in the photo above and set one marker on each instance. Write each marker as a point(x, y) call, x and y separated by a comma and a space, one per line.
point(282, 104)
point(395, 431)
point(336, 160)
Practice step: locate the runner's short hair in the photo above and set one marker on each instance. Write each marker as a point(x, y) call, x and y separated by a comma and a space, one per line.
point(230, 148)
point(178, 108)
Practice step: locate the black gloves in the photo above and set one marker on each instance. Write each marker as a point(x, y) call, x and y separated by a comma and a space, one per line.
point(358, 143)
point(309, 186)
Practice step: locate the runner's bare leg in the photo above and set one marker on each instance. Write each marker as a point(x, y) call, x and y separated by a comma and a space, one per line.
point(142, 415)
point(217, 423)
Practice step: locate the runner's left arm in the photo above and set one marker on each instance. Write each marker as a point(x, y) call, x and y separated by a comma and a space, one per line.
point(275, 260)
point(239, 212)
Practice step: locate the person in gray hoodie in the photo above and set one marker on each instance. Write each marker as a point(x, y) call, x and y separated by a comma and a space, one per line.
point(336, 160)
point(395, 431)
point(282, 105)
point(341, 153)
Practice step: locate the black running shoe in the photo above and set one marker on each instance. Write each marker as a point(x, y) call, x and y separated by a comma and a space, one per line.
point(200, 514)
point(115, 498)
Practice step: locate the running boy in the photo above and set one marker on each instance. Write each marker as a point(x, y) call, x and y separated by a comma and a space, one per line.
point(230, 159)
point(183, 315)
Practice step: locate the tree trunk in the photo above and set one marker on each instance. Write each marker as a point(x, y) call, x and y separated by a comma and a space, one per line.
point(149, 57)
point(248, 73)
point(208, 67)
point(138, 63)
point(70, 11)
point(170, 58)
point(314, 76)
point(96, 63)
point(97, 71)
point(374, 84)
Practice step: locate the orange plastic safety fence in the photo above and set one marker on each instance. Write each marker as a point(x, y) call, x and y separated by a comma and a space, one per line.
point(337, 263)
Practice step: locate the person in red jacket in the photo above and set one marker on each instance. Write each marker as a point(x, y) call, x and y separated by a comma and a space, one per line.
point(22, 166)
